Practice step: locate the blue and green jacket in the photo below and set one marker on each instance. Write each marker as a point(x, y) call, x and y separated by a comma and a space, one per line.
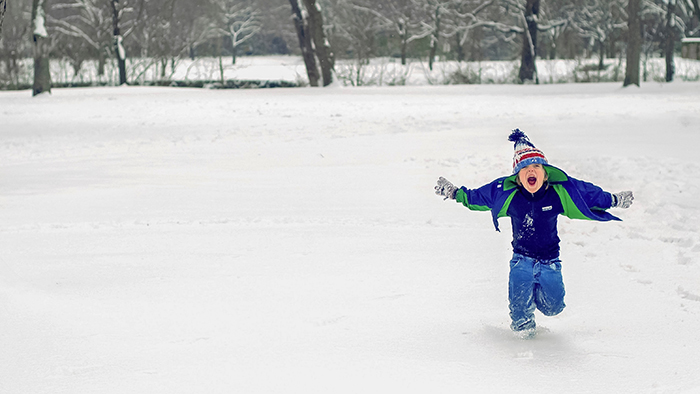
point(561, 194)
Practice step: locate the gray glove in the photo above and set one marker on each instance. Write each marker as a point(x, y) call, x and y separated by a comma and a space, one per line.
point(445, 188)
point(622, 200)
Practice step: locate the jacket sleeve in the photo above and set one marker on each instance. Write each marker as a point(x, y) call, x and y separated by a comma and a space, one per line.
point(594, 197)
point(481, 199)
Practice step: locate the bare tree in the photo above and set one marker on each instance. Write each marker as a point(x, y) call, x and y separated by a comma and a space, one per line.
point(238, 21)
point(42, 74)
point(670, 39)
point(197, 33)
point(528, 69)
point(553, 10)
point(401, 17)
point(321, 45)
point(315, 48)
point(14, 45)
point(466, 18)
point(89, 21)
point(125, 20)
point(436, 19)
point(634, 39)
point(597, 20)
point(118, 43)
point(305, 43)
point(165, 31)
point(528, 25)
point(664, 21)
point(437, 12)
point(355, 28)
point(433, 15)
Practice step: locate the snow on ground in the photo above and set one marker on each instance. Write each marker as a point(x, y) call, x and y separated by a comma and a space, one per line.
point(162, 240)
point(379, 71)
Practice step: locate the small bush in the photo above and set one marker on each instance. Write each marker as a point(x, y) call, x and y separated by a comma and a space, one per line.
point(464, 75)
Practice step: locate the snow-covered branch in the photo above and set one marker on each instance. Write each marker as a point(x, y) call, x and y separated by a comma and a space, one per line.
point(552, 25)
point(239, 22)
point(39, 22)
point(68, 29)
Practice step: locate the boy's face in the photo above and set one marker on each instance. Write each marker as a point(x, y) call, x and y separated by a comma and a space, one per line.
point(532, 177)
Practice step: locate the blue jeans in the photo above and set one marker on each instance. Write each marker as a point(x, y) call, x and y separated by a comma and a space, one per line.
point(534, 284)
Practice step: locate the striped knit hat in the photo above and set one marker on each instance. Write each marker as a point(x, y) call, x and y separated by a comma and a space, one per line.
point(525, 151)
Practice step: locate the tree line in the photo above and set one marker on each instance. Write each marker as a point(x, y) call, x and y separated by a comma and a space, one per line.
point(322, 31)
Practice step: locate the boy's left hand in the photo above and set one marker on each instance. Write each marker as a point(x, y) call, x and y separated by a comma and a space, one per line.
point(445, 188)
point(622, 199)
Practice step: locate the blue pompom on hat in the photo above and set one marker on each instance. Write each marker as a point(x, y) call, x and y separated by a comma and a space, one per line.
point(525, 152)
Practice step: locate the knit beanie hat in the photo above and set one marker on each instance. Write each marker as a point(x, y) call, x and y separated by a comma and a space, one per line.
point(525, 151)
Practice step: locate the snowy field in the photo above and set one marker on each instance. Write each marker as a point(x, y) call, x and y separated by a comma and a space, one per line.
point(380, 71)
point(163, 240)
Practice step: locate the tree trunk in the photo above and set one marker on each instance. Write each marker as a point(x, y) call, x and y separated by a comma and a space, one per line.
point(307, 51)
point(435, 39)
point(118, 47)
point(163, 66)
point(404, 50)
point(42, 74)
point(77, 65)
point(101, 60)
point(221, 70)
point(670, 39)
point(403, 30)
point(553, 50)
point(221, 62)
point(528, 71)
point(433, 51)
point(634, 44)
point(3, 8)
point(321, 45)
point(460, 49)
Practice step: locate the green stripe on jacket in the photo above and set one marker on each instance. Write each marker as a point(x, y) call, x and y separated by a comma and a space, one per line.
point(504, 210)
point(461, 197)
point(570, 209)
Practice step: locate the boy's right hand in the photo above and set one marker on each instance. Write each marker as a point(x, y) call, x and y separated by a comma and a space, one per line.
point(445, 188)
point(622, 199)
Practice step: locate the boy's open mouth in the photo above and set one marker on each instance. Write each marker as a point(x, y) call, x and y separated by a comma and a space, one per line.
point(532, 180)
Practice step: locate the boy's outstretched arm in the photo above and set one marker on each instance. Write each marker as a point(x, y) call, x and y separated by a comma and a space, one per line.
point(481, 199)
point(622, 199)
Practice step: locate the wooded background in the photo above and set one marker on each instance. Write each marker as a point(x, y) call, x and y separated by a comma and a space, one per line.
point(322, 31)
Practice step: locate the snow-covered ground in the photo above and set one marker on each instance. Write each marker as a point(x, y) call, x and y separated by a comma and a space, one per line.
point(380, 71)
point(163, 240)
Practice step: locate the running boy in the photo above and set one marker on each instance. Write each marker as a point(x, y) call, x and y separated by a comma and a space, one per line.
point(533, 197)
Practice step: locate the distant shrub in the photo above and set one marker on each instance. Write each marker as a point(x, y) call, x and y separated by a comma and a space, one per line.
point(464, 75)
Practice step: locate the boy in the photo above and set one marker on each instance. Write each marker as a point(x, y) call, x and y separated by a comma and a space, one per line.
point(533, 197)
